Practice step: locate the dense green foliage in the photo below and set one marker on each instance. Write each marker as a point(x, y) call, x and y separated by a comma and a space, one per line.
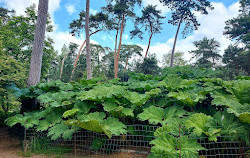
point(184, 105)
point(237, 29)
point(206, 53)
point(185, 102)
point(178, 59)
point(16, 39)
point(17, 34)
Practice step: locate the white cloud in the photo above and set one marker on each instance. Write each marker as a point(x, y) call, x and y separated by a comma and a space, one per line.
point(126, 37)
point(54, 5)
point(92, 11)
point(159, 49)
point(159, 5)
point(70, 8)
point(20, 5)
point(61, 38)
point(212, 26)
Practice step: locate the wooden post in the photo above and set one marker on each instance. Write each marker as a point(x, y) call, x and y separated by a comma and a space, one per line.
point(75, 143)
point(180, 137)
point(25, 140)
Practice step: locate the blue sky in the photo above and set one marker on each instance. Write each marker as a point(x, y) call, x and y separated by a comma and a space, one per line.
point(64, 11)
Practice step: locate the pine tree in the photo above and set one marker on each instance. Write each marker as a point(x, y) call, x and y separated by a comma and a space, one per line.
point(37, 50)
point(183, 12)
point(206, 53)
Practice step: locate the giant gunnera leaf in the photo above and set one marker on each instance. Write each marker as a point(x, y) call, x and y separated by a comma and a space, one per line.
point(96, 122)
point(28, 120)
point(56, 99)
point(166, 145)
point(245, 117)
point(136, 98)
point(189, 97)
point(230, 126)
point(101, 92)
point(201, 123)
point(157, 115)
point(117, 110)
point(61, 130)
point(234, 105)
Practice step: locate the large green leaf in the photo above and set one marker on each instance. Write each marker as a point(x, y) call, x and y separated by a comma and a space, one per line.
point(201, 123)
point(141, 86)
point(28, 120)
point(19, 118)
point(54, 115)
point(136, 98)
point(69, 113)
point(43, 125)
point(55, 86)
point(241, 89)
point(96, 122)
point(233, 104)
point(174, 83)
point(61, 130)
point(157, 115)
point(116, 110)
point(56, 99)
point(154, 92)
point(166, 145)
point(230, 126)
point(100, 93)
point(153, 114)
point(190, 97)
point(245, 117)
point(83, 106)
point(112, 126)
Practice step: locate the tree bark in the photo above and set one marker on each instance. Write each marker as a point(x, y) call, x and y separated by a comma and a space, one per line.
point(63, 60)
point(79, 53)
point(7, 103)
point(126, 64)
point(175, 40)
point(115, 55)
point(119, 48)
point(148, 45)
point(37, 50)
point(89, 73)
point(149, 41)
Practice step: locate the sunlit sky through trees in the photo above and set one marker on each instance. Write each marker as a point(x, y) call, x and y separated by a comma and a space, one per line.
point(64, 11)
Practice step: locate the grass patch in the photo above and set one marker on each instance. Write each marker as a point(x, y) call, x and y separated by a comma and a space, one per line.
point(24, 154)
point(52, 151)
point(42, 145)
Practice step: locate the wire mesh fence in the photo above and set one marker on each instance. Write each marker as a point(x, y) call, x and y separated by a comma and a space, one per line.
point(135, 144)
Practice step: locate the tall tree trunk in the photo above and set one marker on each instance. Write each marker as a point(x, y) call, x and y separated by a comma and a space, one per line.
point(115, 54)
point(175, 40)
point(63, 60)
point(119, 48)
point(148, 45)
point(149, 41)
point(7, 103)
point(126, 64)
point(89, 74)
point(37, 50)
point(79, 53)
